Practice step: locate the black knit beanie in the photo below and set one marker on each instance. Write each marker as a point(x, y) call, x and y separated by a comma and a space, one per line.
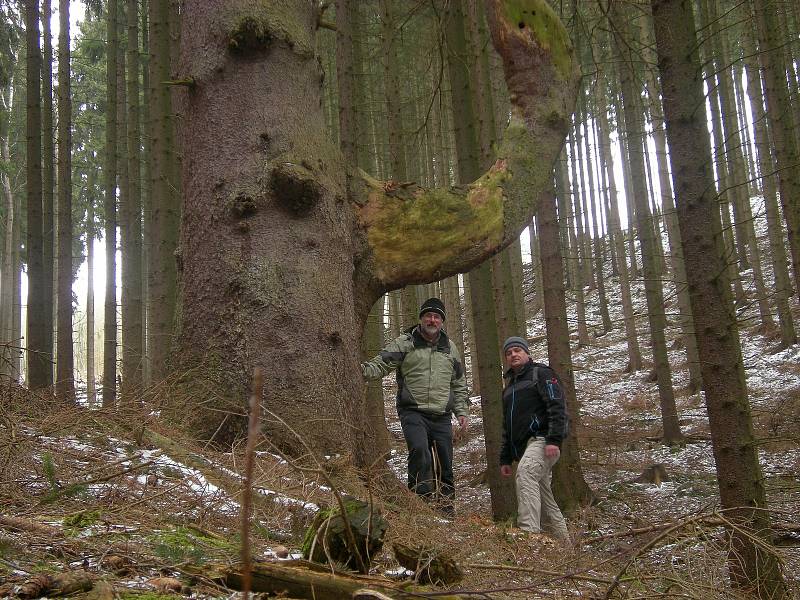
point(432, 305)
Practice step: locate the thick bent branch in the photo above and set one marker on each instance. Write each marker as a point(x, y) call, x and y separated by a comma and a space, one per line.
point(417, 235)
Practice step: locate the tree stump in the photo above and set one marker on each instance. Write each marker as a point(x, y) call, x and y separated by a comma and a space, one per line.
point(327, 539)
point(429, 565)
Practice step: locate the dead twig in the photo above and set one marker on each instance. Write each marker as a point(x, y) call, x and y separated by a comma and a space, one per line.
point(581, 576)
point(351, 539)
point(247, 493)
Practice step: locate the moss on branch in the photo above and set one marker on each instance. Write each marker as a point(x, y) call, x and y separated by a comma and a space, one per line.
point(526, 17)
point(418, 235)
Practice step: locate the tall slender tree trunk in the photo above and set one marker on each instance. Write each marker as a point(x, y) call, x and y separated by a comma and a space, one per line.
point(65, 365)
point(627, 183)
point(766, 169)
point(16, 310)
point(398, 163)
point(48, 179)
point(536, 291)
point(110, 210)
point(39, 355)
point(781, 125)
point(723, 188)
point(146, 187)
point(569, 486)
point(165, 194)
point(685, 319)
point(8, 342)
point(617, 238)
point(738, 170)
point(123, 201)
point(580, 189)
point(597, 253)
point(131, 222)
point(455, 312)
point(485, 341)
point(570, 193)
point(349, 126)
point(753, 568)
point(91, 389)
point(652, 279)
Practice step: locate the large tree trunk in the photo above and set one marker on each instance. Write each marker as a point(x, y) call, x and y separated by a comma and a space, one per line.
point(280, 265)
point(741, 483)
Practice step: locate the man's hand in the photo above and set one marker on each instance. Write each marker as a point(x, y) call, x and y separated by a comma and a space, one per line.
point(505, 470)
point(552, 451)
point(463, 422)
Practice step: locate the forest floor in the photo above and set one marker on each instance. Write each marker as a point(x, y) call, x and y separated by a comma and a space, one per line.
point(146, 512)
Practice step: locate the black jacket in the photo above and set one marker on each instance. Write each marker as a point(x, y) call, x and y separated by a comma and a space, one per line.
point(532, 408)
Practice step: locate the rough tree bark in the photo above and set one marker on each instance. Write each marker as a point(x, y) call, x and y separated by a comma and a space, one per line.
point(110, 210)
point(10, 217)
point(131, 221)
point(91, 387)
point(280, 265)
point(164, 198)
point(65, 364)
point(39, 354)
point(654, 294)
point(569, 485)
point(781, 125)
point(753, 568)
point(607, 161)
point(487, 321)
point(48, 180)
point(349, 124)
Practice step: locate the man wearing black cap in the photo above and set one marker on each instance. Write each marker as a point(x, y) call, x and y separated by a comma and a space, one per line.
point(534, 425)
point(430, 387)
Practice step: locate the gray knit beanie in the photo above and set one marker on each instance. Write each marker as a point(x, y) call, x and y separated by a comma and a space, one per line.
point(516, 341)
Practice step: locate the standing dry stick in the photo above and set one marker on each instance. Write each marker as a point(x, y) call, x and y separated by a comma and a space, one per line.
point(247, 494)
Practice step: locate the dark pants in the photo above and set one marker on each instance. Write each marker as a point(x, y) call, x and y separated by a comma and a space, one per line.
point(425, 433)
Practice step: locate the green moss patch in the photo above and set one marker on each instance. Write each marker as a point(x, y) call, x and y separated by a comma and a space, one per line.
point(547, 28)
point(184, 544)
point(418, 233)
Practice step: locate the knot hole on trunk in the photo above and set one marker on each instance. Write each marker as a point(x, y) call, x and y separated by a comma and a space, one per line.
point(295, 188)
point(249, 36)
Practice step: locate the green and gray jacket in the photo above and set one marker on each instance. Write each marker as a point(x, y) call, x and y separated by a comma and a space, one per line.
point(430, 377)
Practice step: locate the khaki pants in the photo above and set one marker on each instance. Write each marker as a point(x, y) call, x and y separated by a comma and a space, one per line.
point(537, 509)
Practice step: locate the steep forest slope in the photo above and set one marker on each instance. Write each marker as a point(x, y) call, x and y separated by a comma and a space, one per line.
point(141, 510)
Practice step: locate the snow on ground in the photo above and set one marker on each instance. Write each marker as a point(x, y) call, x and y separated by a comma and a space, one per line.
point(619, 428)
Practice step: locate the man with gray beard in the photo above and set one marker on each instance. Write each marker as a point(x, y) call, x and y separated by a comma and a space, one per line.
point(431, 387)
